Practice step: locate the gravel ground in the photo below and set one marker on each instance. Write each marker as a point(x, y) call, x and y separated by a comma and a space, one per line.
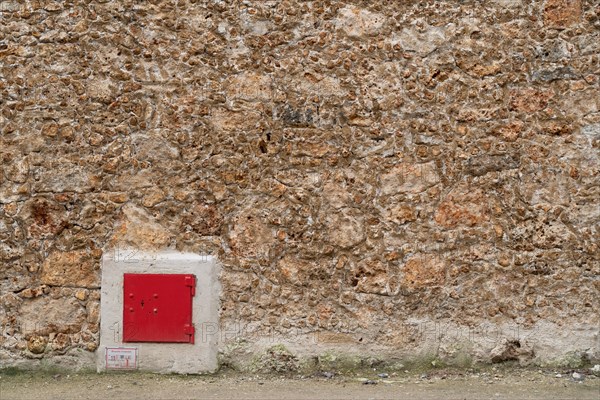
point(439, 384)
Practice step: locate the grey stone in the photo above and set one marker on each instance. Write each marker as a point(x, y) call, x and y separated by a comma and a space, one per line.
point(577, 377)
point(554, 74)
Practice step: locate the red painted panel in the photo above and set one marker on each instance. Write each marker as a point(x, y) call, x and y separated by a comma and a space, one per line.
point(158, 308)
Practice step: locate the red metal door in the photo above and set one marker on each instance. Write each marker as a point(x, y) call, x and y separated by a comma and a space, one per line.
point(158, 308)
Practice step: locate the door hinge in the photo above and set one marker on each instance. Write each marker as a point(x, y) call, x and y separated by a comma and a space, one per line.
point(191, 282)
point(189, 329)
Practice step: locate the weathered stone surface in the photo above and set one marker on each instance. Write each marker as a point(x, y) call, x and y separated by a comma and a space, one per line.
point(592, 133)
point(45, 217)
point(250, 236)
point(555, 50)
point(481, 165)
point(249, 87)
point(463, 206)
point(17, 170)
point(357, 22)
point(422, 41)
point(561, 13)
point(226, 120)
point(554, 74)
point(153, 148)
point(529, 100)
point(345, 230)
point(336, 196)
point(589, 43)
point(62, 175)
point(512, 350)
point(355, 167)
point(10, 251)
point(138, 229)
point(93, 311)
point(101, 90)
point(582, 102)
point(409, 178)
point(43, 316)
point(37, 344)
point(76, 268)
point(204, 219)
point(424, 271)
point(294, 271)
point(153, 197)
point(81, 295)
point(371, 277)
point(402, 214)
point(61, 342)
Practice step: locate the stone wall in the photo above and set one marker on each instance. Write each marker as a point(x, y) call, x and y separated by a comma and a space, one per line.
point(385, 178)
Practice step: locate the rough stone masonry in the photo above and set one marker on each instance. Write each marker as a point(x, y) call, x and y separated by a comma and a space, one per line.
point(389, 179)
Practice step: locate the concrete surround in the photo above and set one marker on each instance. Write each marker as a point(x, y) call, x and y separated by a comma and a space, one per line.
point(162, 357)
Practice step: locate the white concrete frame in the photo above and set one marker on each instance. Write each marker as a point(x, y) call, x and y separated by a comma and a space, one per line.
point(162, 357)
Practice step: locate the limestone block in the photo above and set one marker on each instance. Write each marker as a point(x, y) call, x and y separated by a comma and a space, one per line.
point(37, 344)
point(409, 178)
point(371, 276)
point(205, 219)
point(249, 87)
point(43, 316)
point(139, 229)
point(345, 230)
point(423, 271)
point(561, 13)
point(250, 236)
point(529, 100)
point(424, 41)
point(463, 206)
point(358, 23)
point(45, 217)
point(77, 268)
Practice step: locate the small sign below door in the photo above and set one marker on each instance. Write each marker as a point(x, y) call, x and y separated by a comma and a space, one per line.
point(121, 358)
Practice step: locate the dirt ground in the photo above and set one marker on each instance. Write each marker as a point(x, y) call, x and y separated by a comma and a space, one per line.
point(439, 384)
